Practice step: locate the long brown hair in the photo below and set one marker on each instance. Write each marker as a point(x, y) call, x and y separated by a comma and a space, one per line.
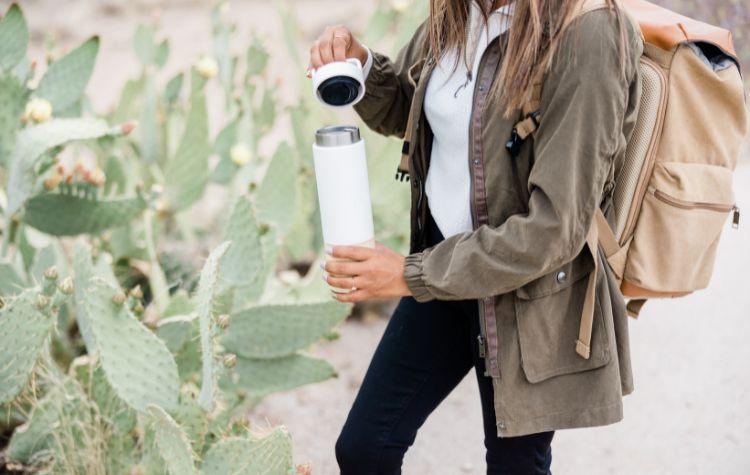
point(534, 35)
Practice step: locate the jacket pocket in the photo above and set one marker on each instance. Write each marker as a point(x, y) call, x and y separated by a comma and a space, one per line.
point(683, 214)
point(548, 316)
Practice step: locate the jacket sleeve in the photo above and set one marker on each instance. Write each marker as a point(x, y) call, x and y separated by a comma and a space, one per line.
point(388, 93)
point(583, 104)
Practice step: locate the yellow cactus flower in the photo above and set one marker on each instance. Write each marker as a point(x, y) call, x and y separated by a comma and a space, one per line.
point(207, 67)
point(38, 110)
point(240, 154)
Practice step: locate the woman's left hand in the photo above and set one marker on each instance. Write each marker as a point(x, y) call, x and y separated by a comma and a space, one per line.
point(375, 273)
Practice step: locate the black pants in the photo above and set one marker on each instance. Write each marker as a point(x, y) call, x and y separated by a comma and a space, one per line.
point(426, 350)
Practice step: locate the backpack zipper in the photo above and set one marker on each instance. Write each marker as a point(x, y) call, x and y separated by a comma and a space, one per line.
point(683, 204)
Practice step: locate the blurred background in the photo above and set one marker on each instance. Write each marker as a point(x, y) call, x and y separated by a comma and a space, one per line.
point(690, 412)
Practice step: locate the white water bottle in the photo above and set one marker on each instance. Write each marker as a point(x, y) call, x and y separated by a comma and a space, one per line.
point(343, 188)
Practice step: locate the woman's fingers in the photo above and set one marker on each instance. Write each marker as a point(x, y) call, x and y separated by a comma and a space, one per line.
point(316, 60)
point(344, 267)
point(357, 253)
point(350, 297)
point(332, 45)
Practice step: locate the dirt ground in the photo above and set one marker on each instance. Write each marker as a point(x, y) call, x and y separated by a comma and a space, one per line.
point(690, 412)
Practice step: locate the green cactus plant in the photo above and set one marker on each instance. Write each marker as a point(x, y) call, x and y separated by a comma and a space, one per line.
point(13, 96)
point(267, 455)
point(63, 214)
point(276, 198)
point(14, 37)
point(65, 81)
point(243, 261)
point(205, 299)
point(172, 442)
point(34, 141)
point(187, 172)
point(137, 364)
point(24, 328)
point(271, 331)
point(260, 377)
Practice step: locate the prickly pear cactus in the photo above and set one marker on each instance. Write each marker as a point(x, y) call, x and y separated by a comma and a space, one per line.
point(271, 331)
point(171, 442)
point(260, 377)
point(137, 364)
point(14, 37)
point(205, 299)
point(32, 142)
point(24, 328)
point(13, 97)
point(244, 259)
point(187, 172)
point(65, 81)
point(276, 198)
point(267, 455)
point(70, 214)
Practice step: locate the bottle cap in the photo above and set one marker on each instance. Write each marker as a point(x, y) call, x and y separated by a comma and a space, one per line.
point(337, 135)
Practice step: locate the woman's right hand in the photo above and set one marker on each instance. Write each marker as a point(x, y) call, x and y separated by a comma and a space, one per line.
point(336, 43)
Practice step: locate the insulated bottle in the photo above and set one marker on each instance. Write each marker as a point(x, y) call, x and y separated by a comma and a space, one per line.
point(343, 189)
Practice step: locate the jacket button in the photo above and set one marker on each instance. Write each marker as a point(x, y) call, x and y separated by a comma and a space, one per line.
point(562, 276)
point(476, 161)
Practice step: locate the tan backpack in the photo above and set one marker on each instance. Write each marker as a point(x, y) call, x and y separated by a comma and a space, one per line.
point(673, 193)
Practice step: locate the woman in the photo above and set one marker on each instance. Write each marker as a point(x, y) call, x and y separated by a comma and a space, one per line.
point(500, 256)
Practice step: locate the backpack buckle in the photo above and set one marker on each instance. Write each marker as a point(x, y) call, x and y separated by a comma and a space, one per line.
point(513, 145)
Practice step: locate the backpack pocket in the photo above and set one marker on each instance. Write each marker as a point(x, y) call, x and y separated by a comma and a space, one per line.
point(548, 316)
point(674, 245)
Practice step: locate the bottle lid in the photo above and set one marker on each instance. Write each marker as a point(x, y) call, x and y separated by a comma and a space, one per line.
point(337, 135)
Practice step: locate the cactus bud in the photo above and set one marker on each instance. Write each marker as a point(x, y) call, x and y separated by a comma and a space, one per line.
point(119, 298)
point(304, 469)
point(137, 432)
point(230, 360)
point(241, 394)
point(128, 127)
point(52, 181)
point(136, 292)
point(223, 321)
point(38, 110)
point(97, 177)
point(240, 154)
point(66, 286)
point(263, 228)
point(42, 301)
point(138, 308)
point(2, 302)
point(400, 6)
point(207, 67)
point(51, 273)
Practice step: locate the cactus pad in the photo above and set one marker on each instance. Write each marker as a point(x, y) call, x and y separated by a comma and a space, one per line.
point(277, 195)
point(270, 331)
point(187, 172)
point(62, 214)
point(137, 364)
point(205, 297)
point(265, 376)
point(13, 97)
point(65, 81)
point(14, 38)
point(172, 442)
point(244, 260)
point(32, 142)
point(268, 455)
point(23, 331)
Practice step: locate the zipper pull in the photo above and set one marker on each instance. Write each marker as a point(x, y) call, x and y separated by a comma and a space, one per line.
point(480, 339)
point(736, 217)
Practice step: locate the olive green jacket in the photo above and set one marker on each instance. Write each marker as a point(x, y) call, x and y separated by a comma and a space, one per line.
point(526, 260)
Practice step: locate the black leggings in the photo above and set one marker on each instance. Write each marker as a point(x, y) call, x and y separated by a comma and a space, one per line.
point(426, 350)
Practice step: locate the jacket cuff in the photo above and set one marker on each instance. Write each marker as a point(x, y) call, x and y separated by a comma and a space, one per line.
point(414, 276)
